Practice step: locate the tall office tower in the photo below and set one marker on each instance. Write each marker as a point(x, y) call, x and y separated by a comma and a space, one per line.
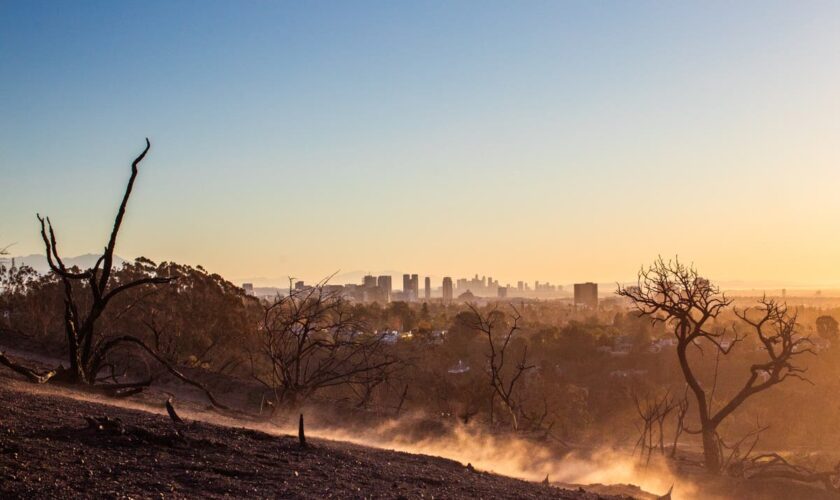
point(369, 281)
point(447, 290)
point(249, 288)
point(384, 282)
point(502, 293)
point(415, 286)
point(428, 288)
point(586, 294)
point(407, 287)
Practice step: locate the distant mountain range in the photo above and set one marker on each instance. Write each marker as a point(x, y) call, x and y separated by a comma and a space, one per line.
point(39, 262)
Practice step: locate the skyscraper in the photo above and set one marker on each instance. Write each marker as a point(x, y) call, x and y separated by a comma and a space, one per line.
point(415, 287)
point(384, 282)
point(369, 281)
point(411, 287)
point(407, 287)
point(447, 290)
point(428, 288)
point(586, 294)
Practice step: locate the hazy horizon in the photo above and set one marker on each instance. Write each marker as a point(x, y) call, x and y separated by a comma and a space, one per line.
point(561, 142)
point(355, 276)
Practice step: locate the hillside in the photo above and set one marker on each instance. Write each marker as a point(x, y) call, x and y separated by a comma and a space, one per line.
point(49, 450)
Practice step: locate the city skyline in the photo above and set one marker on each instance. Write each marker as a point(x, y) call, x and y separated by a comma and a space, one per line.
point(38, 261)
point(380, 289)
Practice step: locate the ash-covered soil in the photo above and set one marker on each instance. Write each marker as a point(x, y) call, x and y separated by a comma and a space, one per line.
point(49, 450)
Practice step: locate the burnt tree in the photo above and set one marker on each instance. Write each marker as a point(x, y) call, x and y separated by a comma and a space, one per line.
point(676, 295)
point(312, 341)
point(87, 347)
point(504, 375)
point(653, 411)
point(80, 318)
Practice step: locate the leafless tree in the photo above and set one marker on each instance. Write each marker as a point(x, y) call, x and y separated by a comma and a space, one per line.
point(675, 294)
point(653, 411)
point(738, 453)
point(311, 341)
point(503, 375)
point(679, 427)
point(538, 421)
point(87, 348)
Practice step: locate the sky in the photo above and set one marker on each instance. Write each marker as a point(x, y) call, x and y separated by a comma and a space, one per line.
point(559, 141)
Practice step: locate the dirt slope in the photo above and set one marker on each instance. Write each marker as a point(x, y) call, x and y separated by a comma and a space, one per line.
point(48, 450)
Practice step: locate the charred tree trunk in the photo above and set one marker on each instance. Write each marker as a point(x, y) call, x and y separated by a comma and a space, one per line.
point(677, 296)
point(301, 434)
point(86, 353)
point(32, 375)
point(711, 449)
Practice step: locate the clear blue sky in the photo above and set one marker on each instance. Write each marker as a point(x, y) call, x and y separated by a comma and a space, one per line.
point(528, 140)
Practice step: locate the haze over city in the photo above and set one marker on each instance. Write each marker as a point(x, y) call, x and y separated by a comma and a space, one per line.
point(564, 142)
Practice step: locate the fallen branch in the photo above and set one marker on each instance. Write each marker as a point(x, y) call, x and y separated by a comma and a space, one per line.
point(106, 423)
point(115, 428)
point(774, 466)
point(174, 371)
point(32, 375)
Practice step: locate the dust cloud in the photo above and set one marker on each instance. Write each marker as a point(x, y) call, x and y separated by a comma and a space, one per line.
point(507, 455)
point(467, 444)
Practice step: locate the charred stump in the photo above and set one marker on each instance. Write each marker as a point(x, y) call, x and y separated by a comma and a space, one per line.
point(301, 434)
